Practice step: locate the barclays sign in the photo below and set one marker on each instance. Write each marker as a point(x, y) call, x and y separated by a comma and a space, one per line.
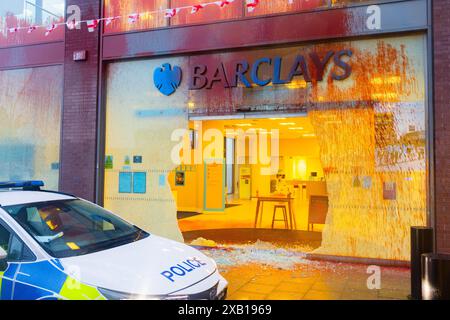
point(167, 79)
point(249, 74)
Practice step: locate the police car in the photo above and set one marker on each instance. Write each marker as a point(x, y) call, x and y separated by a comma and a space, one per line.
point(57, 246)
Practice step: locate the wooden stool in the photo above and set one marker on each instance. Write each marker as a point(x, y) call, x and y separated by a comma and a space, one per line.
point(285, 217)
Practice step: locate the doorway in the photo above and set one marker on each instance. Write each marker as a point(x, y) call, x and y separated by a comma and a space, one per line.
point(272, 178)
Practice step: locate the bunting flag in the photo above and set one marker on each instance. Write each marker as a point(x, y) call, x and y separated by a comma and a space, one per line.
point(252, 4)
point(224, 3)
point(92, 25)
point(31, 29)
point(71, 24)
point(170, 13)
point(196, 8)
point(50, 29)
point(132, 18)
point(109, 20)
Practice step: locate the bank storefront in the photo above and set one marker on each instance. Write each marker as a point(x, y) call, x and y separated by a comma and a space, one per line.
point(325, 139)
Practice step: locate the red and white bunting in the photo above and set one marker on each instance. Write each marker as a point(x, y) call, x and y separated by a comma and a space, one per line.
point(31, 29)
point(71, 24)
point(170, 13)
point(132, 18)
point(251, 5)
point(224, 3)
point(196, 8)
point(109, 20)
point(92, 25)
point(50, 29)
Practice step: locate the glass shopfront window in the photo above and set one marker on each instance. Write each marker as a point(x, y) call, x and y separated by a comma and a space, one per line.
point(28, 13)
point(271, 7)
point(152, 12)
point(330, 135)
point(30, 124)
point(210, 13)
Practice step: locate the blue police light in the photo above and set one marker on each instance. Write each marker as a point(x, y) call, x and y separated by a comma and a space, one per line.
point(30, 184)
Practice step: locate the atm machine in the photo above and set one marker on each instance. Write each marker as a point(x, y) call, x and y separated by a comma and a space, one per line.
point(245, 182)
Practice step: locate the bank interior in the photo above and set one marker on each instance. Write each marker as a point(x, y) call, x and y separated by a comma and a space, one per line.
point(230, 195)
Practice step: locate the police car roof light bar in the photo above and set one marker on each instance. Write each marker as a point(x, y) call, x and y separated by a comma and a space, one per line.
point(25, 185)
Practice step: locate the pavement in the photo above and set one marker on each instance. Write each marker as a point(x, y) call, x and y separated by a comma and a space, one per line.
point(325, 281)
point(262, 272)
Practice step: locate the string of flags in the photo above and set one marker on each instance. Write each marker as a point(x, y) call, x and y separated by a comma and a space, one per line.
point(134, 17)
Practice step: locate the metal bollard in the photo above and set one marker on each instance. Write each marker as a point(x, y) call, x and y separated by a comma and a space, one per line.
point(435, 276)
point(421, 242)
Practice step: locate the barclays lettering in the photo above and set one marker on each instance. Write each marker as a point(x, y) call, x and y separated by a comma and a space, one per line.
point(182, 269)
point(311, 68)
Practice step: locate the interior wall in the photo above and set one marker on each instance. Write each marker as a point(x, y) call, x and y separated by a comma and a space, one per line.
point(140, 122)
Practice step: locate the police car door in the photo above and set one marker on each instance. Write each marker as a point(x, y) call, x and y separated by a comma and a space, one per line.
point(17, 254)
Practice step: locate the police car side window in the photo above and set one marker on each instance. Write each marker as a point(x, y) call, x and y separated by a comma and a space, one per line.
point(11, 243)
point(4, 238)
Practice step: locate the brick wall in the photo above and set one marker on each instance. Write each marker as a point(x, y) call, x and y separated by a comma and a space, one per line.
point(441, 33)
point(78, 146)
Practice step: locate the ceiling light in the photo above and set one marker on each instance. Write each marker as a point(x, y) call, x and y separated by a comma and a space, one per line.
point(287, 123)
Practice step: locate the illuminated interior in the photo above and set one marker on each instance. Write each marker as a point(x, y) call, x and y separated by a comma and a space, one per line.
point(300, 174)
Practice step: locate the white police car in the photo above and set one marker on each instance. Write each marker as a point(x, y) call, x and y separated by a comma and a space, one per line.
point(57, 246)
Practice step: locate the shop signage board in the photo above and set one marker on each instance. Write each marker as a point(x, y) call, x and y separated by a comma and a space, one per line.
point(249, 73)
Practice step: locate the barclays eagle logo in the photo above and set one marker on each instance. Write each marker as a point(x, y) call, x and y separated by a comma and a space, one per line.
point(166, 79)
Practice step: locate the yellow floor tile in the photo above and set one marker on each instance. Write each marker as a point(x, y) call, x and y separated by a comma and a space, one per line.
point(322, 295)
point(293, 287)
point(242, 295)
point(280, 295)
point(257, 288)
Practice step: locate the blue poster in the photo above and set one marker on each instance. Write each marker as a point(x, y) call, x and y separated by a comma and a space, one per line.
point(139, 182)
point(162, 180)
point(125, 182)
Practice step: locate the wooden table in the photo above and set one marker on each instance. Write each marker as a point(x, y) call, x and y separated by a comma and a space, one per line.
point(275, 198)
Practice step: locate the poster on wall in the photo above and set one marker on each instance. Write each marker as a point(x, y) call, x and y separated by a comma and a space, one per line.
point(108, 162)
point(139, 182)
point(389, 190)
point(125, 182)
point(180, 178)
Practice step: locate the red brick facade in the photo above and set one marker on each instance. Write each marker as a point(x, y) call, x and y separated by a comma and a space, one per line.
point(79, 123)
point(441, 35)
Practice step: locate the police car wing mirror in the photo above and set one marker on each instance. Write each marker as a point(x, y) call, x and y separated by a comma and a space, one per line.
point(3, 254)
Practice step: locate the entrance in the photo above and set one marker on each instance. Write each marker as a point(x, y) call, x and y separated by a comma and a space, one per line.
point(269, 184)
